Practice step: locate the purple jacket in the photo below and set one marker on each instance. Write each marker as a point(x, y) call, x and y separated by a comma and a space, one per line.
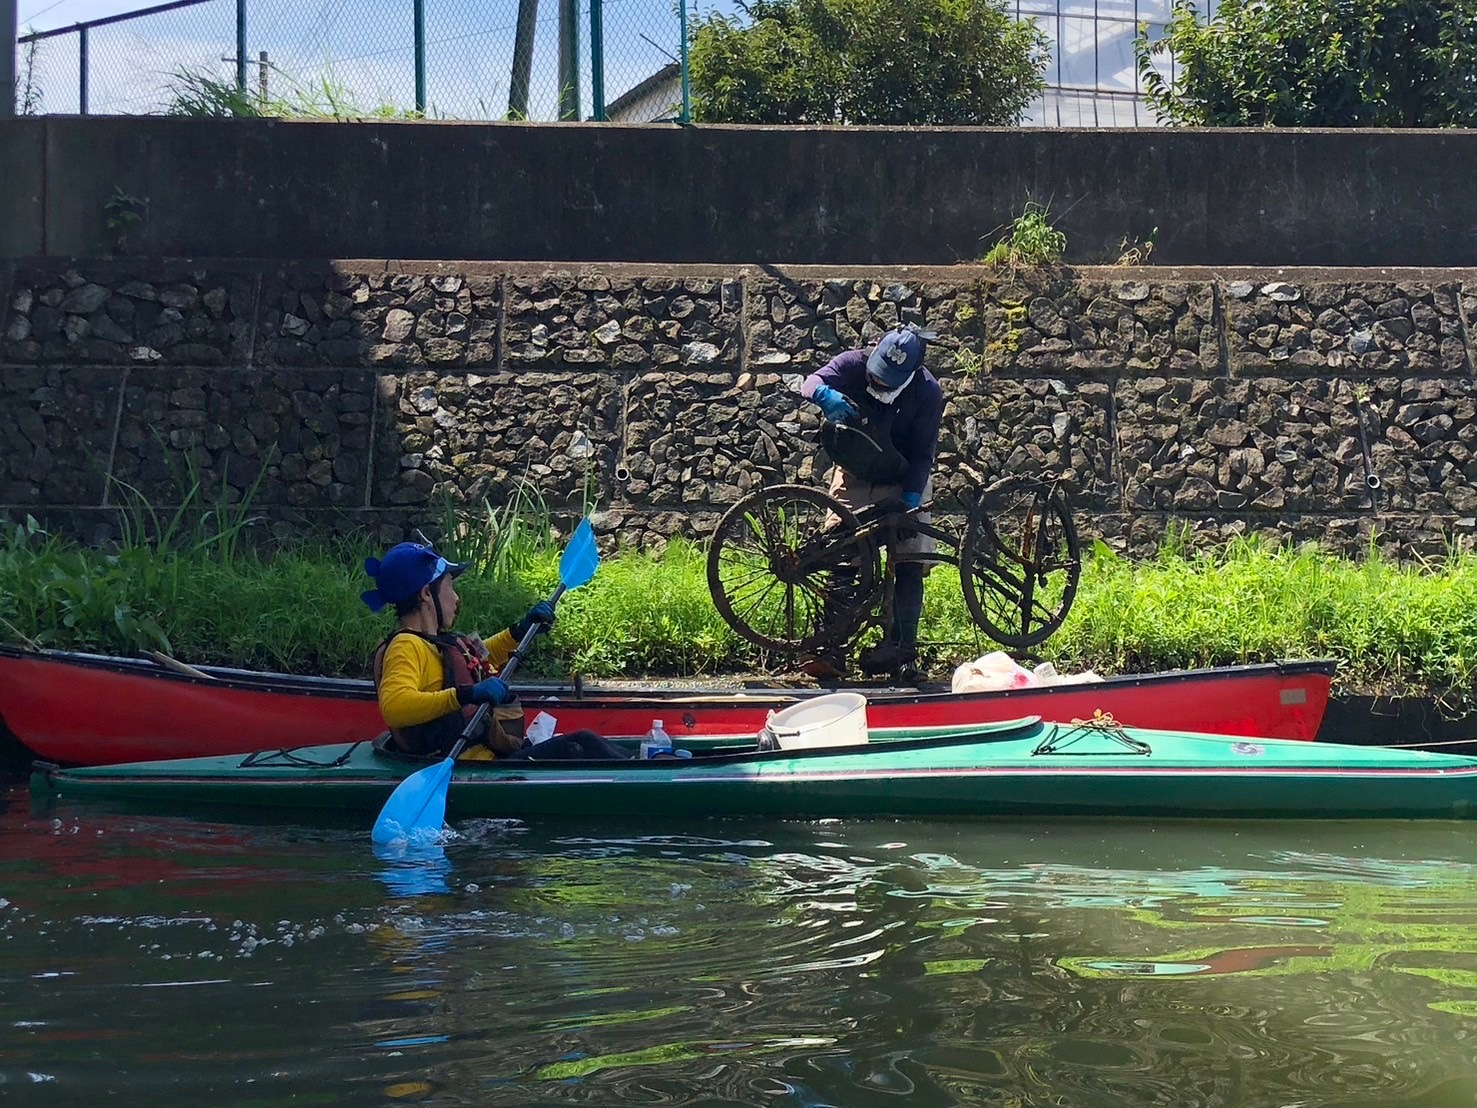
point(919, 408)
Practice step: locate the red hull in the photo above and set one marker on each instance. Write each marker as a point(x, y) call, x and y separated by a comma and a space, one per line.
point(88, 710)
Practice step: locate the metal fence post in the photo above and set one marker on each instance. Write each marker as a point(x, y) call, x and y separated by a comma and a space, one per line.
point(241, 46)
point(522, 59)
point(686, 82)
point(569, 59)
point(9, 28)
point(597, 60)
point(82, 69)
point(420, 56)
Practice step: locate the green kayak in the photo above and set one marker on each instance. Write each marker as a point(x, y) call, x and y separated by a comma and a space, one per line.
point(1023, 768)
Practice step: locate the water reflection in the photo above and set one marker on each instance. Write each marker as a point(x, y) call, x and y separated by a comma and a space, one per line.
point(414, 869)
point(740, 963)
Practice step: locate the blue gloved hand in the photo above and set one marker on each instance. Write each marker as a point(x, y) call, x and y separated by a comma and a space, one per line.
point(912, 499)
point(541, 614)
point(490, 690)
point(833, 405)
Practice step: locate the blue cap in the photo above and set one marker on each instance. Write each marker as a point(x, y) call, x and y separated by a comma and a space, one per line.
point(896, 357)
point(405, 569)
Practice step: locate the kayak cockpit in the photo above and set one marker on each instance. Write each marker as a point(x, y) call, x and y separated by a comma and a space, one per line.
point(725, 748)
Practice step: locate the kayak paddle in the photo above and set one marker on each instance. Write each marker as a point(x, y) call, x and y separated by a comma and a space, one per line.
point(417, 807)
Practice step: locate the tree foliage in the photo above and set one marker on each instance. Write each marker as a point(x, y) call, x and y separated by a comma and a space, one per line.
point(891, 62)
point(1317, 63)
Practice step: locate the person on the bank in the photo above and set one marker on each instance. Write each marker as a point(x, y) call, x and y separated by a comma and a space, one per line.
point(897, 405)
point(430, 680)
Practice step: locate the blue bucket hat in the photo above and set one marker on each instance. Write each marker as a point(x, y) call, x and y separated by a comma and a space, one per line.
point(896, 357)
point(405, 569)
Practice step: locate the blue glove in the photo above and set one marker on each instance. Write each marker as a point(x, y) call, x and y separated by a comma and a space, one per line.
point(490, 690)
point(540, 615)
point(832, 404)
point(912, 499)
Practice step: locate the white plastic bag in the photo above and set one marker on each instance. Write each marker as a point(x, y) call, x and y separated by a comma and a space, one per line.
point(1046, 674)
point(996, 670)
point(541, 728)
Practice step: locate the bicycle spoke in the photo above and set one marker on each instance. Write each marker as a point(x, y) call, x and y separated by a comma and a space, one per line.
point(757, 574)
point(758, 600)
point(997, 579)
point(772, 567)
point(1018, 562)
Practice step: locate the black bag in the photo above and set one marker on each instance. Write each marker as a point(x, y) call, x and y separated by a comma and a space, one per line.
point(863, 447)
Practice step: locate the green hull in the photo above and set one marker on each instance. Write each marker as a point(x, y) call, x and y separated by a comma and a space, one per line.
point(1020, 769)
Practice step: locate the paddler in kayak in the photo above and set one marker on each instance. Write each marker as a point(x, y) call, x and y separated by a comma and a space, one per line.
point(882, 410)
point(430, 679)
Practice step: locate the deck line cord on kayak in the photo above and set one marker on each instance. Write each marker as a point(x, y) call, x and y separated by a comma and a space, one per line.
point(1102, 723)
point(1429, 745)
point(289, 756)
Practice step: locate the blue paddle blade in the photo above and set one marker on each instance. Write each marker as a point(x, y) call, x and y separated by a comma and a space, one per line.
point(417, 807)
point(581, 558)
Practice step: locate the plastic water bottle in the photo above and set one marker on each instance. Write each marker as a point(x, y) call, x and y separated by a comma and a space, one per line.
point(657, 741)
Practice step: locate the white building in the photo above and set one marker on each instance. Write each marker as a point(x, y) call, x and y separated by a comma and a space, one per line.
point(657, 97)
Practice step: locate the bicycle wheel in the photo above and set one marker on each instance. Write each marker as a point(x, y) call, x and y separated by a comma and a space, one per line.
point(781, 579)
point(1020, 561)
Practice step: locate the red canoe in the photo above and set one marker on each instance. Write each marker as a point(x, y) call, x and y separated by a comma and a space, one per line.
point(87, 709)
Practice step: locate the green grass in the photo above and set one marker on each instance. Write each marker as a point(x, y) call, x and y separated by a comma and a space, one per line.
point(201, 94)
point(1392, 627)
point(192, 585)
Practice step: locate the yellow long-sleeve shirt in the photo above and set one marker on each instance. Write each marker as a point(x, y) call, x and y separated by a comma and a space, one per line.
point(412, 678)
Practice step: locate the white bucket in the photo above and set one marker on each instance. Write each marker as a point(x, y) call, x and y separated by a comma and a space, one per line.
point(837, 719)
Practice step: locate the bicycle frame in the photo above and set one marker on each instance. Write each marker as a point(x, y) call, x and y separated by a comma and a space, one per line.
point(872, 535)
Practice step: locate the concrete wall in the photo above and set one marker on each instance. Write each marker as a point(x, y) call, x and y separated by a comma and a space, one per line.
point(661, 193)
point(367, 395)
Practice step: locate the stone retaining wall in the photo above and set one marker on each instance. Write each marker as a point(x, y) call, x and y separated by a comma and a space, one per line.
point(368, 395)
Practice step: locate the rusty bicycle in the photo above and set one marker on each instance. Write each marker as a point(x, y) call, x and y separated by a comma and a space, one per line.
point(793, 570)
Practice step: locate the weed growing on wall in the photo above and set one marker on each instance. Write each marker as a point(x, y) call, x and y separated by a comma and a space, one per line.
point(123, 213)
point(1135, 251)
point(1032, 241)
point(28, 94)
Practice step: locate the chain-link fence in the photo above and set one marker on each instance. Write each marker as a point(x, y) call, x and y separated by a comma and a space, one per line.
point(622, 60)
point(451, 59)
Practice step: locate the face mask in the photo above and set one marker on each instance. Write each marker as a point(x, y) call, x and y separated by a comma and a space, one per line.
point(889, 395)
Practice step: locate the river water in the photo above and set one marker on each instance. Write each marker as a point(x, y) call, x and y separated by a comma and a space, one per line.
point(154, 959)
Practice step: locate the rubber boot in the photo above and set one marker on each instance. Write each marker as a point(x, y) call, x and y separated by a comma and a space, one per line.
point(899, 653)
point(907, 606)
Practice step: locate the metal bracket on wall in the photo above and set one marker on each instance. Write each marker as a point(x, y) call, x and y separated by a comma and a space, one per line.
point(1371, 478)
point(622, 469)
